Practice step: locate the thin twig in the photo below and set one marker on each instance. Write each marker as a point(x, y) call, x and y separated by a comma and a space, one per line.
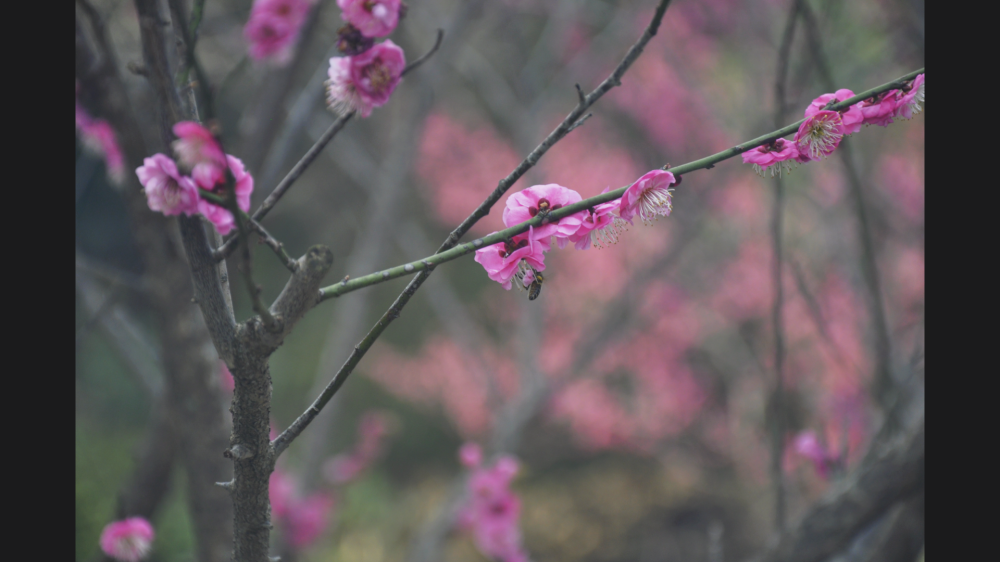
point(449, 252)
point(777, 409)
point(427, 55)
point(393, 312)
point(278, 247)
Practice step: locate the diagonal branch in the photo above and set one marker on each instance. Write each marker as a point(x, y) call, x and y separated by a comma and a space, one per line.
point(449, 252)
point(555, 136)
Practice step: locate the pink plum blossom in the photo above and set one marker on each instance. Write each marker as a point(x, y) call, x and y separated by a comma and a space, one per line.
point(221, 218)
point(527, 203)
point(129, 540)
point(374, 18)
point(166, 190)
point(197, 151)
point(851, 118)
point(365, 81)
point(910, 98)
point(819, 135)
point(502, 260)
point(595, 220)
point(778, 155)
point(649, 197)
point(471, 455)
point(880, 109)
point(273, 28)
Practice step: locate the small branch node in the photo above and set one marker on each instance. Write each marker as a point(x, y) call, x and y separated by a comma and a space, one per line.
point(137, 68)
point(228, 486)
point(238, 452)
point(580, 95)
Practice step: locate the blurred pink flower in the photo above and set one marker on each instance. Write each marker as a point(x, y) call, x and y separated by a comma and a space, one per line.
point(364, 81)
point(492, 511)
point(166, 190)
point(374, 18)
point(371, 434)
point(129, 540)
point(851, 118)
point(880, 109)
point(528, 202)
point(503, 260)
point(221, 218)
point(303, 520)
point(778, 155)
point(197, 151)
point(471, 455)
point(226, 377)
point(273, 28)
point(99, 137)
point(807, 445)
point(649, 197)
point(910, 98)
point(819, 135)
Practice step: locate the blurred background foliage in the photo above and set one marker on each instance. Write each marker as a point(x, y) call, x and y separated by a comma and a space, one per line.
point(656, 445)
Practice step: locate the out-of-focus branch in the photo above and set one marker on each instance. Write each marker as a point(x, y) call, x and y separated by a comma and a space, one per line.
point(560, 132)
point(896, 473)
point(884, 387)
point(448, 252)
point(777, 402)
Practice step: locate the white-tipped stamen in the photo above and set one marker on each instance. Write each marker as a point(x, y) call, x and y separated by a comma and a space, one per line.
point(654, 203)
point(609, 234)
point(822, 137)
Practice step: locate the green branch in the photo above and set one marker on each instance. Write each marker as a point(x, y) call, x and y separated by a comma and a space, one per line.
point(348, 285)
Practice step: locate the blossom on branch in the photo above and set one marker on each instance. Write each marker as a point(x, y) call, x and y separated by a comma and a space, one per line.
point(599, 226)
point(273, 29)
point(880, 109)
point(649, 197)
point(910, 98)
point(851, 118)
point(529, 202)
point(374, 18)
point(778, 155)
point(503, 260)
point(166, 190)
point(197, 151)
point(129, 540)
point(362, 82)
point(819, 135)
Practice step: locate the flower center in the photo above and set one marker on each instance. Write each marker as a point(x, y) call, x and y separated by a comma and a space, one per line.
point(378, 75)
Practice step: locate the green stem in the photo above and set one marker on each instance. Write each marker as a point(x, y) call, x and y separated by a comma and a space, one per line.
point(348, 285)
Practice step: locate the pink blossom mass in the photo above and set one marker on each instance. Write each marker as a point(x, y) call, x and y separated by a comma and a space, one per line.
point(909, 99)
point(880, 109)
point(649, 197)
point(502, 260)
point(374, 18)
point(598, 222)
point(273, 29)
point(851, 118)
point(492, 512)
point(778, 156)
point(129, 540)
point(362, 82)
point(166, 190)
point(528, 203)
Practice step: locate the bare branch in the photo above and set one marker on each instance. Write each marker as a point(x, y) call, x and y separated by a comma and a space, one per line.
point(413, 65)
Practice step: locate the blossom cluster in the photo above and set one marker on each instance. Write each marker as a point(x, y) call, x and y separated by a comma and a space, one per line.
point(99, 137)
point(491, 510)
point(172, 193)
point(522, 257)
point(366, 77)
point(821, 132)
point(273, 29)
point(129, 540)
point(304, 517)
